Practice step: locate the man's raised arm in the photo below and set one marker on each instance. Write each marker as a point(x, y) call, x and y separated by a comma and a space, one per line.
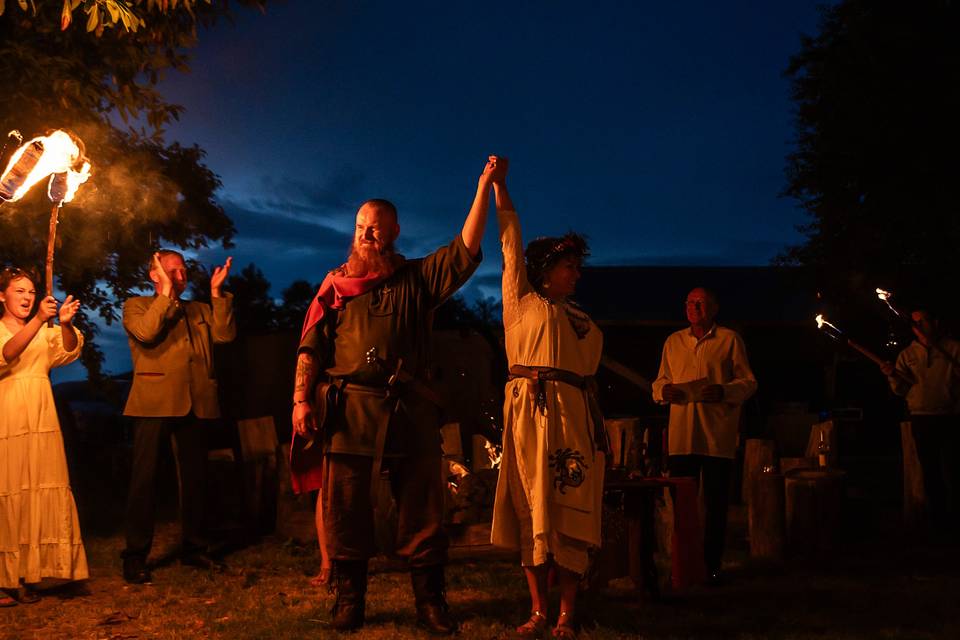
point(476, 220)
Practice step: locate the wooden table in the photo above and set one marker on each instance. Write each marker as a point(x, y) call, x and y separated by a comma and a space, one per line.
point(639, 507)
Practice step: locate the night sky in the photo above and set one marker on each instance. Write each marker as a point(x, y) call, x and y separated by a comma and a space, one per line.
point(659, 130)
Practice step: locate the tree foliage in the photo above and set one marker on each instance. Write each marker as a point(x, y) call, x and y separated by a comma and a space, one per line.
point(143, 192)
point(877, 94)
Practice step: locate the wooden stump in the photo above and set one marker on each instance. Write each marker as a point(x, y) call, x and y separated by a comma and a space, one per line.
point(759, 454)
point(766, 518)
point(914, 494)
point(813, 506)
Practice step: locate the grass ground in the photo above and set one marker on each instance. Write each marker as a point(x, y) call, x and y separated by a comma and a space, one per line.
point(880, 584)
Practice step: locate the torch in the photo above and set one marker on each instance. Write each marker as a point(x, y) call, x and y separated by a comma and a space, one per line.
point(58, 155)
point(834, 332)
point(900, 313)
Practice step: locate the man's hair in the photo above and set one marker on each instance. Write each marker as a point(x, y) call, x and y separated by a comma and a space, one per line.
point(380, 203)
point(543, 254)
point(163, 253)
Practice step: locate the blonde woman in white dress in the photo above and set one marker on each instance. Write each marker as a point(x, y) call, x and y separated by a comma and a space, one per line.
point(549, 493)
point(39, 528)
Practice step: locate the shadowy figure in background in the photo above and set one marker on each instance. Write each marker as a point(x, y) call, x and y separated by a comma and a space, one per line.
point(705, 377)
point(550, 489)
point(174, 391)
point(39, 528)
point(927, 374)
point(367, 333)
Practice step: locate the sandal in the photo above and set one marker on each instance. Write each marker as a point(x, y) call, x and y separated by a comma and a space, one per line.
point(565, 629)
point(534, 627)
point(7, 600)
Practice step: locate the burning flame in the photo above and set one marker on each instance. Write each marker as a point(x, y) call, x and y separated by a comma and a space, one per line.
point(821, 321)
point(57, 153)
point(884, 295)
point(70, 181)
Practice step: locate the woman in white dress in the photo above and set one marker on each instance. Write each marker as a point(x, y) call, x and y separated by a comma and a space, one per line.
point(39, 528)
point(549, 493)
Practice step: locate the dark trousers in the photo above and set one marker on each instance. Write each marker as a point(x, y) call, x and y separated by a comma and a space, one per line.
point(716, 498)
point(938, 444)
point(417, 486)
point(190, 453)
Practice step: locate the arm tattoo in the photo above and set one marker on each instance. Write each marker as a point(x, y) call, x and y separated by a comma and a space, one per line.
point(306, 371)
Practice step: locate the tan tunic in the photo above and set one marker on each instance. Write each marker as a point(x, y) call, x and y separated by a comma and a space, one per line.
point(39, 528)
point(558, 464)
point(395, 318)
point(706, 428)
point(171, 345)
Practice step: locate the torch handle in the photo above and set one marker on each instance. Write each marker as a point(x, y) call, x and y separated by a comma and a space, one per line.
point(51, 242)
point(866, 352)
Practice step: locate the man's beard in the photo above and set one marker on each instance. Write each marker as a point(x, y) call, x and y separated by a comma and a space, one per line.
point(368, 260)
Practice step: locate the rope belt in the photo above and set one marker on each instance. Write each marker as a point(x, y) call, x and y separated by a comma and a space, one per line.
point(587, 384)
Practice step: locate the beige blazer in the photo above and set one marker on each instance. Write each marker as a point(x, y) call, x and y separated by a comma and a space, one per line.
point(173, 359)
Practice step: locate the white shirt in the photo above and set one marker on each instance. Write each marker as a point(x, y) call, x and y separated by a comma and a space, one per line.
point(706, 428)
point(937, 380)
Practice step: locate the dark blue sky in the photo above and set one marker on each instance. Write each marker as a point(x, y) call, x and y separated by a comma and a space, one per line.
point(657, 129)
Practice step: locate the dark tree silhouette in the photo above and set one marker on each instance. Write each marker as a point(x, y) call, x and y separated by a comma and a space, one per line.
point(877, 95)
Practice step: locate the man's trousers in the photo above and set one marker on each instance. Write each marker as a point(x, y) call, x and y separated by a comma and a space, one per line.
point(716, 498)
point(190, 453)
point(418, 488)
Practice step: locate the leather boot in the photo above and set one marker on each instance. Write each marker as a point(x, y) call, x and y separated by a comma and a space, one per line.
point(429, 590)
point(350, 584)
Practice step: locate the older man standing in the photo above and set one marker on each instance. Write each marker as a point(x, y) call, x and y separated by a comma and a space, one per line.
point(174, 392)
point(705, 377)
point(367, 333)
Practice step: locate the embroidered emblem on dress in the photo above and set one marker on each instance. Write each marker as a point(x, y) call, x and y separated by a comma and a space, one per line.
point(569, 467)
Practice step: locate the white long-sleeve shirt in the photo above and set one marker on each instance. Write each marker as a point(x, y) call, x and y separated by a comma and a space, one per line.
point(706, 428)
point(936, 390)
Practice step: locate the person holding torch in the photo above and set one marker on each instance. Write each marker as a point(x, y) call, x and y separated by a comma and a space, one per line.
point(927, 375)
point(39, 528)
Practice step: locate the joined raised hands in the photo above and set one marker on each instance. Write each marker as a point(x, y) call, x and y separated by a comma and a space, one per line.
point(495, 171)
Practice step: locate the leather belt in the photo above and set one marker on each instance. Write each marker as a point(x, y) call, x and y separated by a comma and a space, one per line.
point(587, 384)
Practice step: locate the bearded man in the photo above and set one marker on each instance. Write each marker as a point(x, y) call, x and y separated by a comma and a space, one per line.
point(365, 341)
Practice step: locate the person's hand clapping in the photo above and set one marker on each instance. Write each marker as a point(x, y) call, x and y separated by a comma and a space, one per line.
point(164, 283)
point(68, 310)
point(219, 275)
